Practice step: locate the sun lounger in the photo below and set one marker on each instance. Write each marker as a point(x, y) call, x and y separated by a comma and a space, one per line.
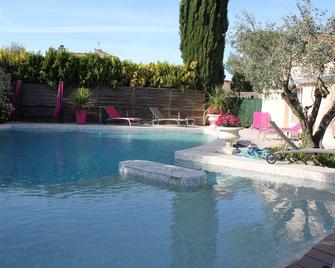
point(158, 117)
point(115, 116)
point(292, 148)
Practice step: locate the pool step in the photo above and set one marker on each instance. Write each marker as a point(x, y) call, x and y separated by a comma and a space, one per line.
point(167, 174)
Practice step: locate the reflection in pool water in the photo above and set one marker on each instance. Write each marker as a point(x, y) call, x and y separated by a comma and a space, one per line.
point(64, 205)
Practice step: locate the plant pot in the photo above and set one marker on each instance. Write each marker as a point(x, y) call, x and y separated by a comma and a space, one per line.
point(81, 117)
point(230, 135)
point(212, 118)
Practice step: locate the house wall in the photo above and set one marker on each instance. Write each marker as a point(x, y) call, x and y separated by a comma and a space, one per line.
point(278, 109)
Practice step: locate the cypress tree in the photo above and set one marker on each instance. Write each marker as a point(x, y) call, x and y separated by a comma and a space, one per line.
point(202, 25)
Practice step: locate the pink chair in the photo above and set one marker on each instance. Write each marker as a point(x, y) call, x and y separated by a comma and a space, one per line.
point(261, 122)
point(293, 131)
point(114, 115)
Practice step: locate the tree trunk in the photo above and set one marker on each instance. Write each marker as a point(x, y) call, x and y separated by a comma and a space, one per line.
point(291, 98)
point(324, 123)
point(307, 122)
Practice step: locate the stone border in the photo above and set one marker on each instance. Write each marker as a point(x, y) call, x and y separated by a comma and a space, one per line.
point(99, 127)
point(207, 157)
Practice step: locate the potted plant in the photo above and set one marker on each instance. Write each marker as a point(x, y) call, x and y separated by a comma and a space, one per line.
point(213, 115)
point(81, 99)
point(228, 130)
point(217, 104)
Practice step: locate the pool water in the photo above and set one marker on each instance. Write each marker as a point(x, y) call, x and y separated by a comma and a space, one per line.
point(63, 204)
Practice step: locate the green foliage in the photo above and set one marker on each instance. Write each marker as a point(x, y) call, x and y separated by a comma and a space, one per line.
point(203, 25)
point(272, 57)
point(240, 84)
point(5, 94)
point(82, 98)
point(218, 99)
point(326, 160)
point(246, 108)
point(91, 70)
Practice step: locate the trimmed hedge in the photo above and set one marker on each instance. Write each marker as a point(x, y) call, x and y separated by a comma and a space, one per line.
point(246, 109)
point(92, 70)
point(5, 96)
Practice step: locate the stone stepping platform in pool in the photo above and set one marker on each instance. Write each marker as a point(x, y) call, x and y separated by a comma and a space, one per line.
point(167, 174)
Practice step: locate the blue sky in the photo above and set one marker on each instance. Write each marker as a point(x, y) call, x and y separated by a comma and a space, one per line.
point(142, 31)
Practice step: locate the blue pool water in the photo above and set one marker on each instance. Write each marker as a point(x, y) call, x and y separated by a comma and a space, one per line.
point(62, 204)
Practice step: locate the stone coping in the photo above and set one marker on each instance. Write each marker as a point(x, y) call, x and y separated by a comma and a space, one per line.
point(99, 127)
point(176, 176)
point(207, 157)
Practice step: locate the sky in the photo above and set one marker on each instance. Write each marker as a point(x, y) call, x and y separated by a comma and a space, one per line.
point(142, 31)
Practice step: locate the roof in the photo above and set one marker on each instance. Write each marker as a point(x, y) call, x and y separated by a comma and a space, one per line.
point(96, 51)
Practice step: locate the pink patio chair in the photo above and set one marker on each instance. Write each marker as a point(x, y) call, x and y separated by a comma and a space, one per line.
point(293, 131)
point(261, 122)
point(115, 116)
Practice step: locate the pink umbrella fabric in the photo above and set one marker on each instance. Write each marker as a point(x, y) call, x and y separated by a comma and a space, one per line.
point(16, 98)
point(59, 100)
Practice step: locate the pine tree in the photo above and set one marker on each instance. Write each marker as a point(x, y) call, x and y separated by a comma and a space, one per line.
point(203, 24)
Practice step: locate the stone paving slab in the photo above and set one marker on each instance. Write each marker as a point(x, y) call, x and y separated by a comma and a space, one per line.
point(167, 174)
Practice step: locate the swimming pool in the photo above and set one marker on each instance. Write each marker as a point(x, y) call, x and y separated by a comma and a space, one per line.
point(63, 204)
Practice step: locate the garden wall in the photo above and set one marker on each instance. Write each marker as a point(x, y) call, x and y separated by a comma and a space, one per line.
point(38, 103)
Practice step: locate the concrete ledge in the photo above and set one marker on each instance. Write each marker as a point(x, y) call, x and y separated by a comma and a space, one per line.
point(207, 157)
point(167, 174)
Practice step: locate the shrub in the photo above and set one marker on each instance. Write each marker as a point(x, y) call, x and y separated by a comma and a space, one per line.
point(218, 99)
point(91, 70)
point(5, 94)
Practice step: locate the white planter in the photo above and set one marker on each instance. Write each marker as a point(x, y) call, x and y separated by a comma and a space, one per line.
point(230, 135)
point(212, 118)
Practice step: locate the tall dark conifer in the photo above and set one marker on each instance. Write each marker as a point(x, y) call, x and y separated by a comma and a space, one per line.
point(203, 24)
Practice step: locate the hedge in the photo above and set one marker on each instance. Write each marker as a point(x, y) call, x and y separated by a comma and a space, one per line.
point(92, 70)
point(246, 108)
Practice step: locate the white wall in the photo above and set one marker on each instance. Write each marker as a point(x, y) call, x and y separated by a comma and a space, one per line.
point(278, 109)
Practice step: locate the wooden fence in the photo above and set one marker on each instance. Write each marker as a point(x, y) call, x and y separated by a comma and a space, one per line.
point(38, 103)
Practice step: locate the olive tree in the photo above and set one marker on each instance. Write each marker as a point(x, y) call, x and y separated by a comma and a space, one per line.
point(272, 56)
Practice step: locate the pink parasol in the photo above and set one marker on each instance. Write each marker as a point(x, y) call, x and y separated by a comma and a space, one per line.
point(16, 98)
point(59, 100)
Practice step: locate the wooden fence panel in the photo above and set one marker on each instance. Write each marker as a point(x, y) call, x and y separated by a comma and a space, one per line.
point(38, 102)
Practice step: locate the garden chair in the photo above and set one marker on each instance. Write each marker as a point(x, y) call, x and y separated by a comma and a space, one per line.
point(158, 117)
point(260, 122)
point(115, 116)
point(292, 148)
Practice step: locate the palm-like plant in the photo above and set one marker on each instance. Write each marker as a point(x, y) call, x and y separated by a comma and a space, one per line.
point(218, 99)
point(82, 98)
